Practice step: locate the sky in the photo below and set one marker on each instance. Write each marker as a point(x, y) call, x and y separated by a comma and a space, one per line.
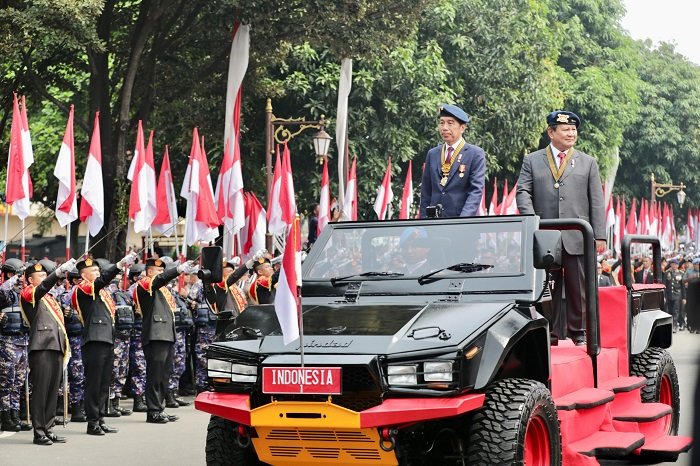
point(673, 21)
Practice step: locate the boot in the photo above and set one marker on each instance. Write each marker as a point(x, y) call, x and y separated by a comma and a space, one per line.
point(122, 411)
point(140, 404)
point(170, 399)
point(23, 425)
point(6, 424)
point(111, 412)
point(179, 400)
point(78, 413)
point(59, 407)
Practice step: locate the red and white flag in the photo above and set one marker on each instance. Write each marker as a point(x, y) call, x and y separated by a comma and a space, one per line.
point(510, 206)
point(142, 174)
point(237, 66)
point(235, 199)
point(254, 230)
point(287, 194)
point(494, 208)
point(618, 226)
point(276, 224)
point(287, 299)
point(324, 206)
point(223, 186)
point(92, 202)
point(631, 225)
point(201, 220)
point(166, 202)
point(18, 187)
point(407, 195)
point(66, 200)
point(609, 215)
point(384, 195)
point(350, 200)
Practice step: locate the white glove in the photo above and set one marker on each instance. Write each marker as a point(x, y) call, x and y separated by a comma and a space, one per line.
point(127, 260)
point(66, 267)
point(187, 267)
point(260, 254)
point(9, 283)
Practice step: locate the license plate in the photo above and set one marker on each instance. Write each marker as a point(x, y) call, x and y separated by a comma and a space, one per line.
point(302, 380)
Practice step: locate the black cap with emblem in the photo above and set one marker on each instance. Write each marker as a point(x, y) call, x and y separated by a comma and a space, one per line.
point(561, 117)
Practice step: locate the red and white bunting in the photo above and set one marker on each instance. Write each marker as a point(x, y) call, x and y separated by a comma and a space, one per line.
point(92, 202)
point(384, 195)
point(287, 302)
point(64, 171)
point(407, 195)
point(166, 202)
point(324, 206)
point(350, 199)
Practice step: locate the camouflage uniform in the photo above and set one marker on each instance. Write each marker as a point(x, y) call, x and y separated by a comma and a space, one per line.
point(122, 342)
point(204, 335)
point(13, 356)
point(76, 374)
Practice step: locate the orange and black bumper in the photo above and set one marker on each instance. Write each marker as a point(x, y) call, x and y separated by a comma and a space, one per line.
point(294, 432)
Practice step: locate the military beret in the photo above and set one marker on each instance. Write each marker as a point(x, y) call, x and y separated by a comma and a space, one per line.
point(36, 267)
point(87, 262)
point(414, 237)
point(454, 112)
point(155, 262)
point(259, 262)
point(561, 117)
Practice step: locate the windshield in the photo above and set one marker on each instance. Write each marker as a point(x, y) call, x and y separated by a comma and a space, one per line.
point(407, 252)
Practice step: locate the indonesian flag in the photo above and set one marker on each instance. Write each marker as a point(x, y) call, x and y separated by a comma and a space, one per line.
point(643, 222)
point(237, 66)
point(631, 226)
point(384, 195)
point(223, 187)
point(672, 225)
point(510, 206)
point(166, 202)
point(287, 302)
point(236, 201)
point(142, 174)
point(253, 232)
point(287, 200)
point(201, 221)
point(66, 201)
point(350, 201)
point(274, 210)
point(691, 225)
point(324, 207)
point(493, 208)
point(504, 200)
point(482, 206)
point(618, 226)
point(341, 123)
point(609, 214)
point(18, 187)
point(92, 202)
point(407, 196)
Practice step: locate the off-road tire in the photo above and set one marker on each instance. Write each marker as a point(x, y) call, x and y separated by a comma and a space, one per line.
point(221, 447)
point(498, 431)
point(655, 364)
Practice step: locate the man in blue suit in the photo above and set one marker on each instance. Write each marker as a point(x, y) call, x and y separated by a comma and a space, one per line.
point(454, 171)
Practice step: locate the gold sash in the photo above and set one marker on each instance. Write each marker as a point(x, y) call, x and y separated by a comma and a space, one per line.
point(57, 314)
point(557, 173)
point(445, 168)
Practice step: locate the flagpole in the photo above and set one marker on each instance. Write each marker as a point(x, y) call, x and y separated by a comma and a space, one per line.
point(24, 250)
point(150, 239)
point(87, 240)
point(68, 241)
point(7, 220)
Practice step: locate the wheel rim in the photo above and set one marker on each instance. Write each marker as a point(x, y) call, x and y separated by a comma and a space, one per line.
point(666, 397)
point(537, 445)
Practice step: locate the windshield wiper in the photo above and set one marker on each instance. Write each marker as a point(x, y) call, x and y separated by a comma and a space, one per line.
point(334, 280)
point(465, 267)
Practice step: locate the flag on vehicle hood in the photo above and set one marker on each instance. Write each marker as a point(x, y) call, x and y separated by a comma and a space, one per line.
point(287, 302)
point(166, 202)
point(92, 202)
point(66, 200)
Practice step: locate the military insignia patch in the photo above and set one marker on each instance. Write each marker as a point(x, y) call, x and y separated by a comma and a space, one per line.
point(88, 262)
point(562, 118)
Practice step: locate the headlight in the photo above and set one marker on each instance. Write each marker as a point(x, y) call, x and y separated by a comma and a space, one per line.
point(218, 368)
point(437, 371)
point(402, 375)
point(244, 373)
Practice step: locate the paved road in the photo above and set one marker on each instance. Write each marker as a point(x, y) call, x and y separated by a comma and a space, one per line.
point(182, 442)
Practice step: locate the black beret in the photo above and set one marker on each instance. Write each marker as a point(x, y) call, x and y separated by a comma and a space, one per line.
point(155, 262)
point(85, 263)
point(561, 117)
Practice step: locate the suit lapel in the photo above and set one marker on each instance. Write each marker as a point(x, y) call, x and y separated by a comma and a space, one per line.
point(571, 166)
point(461, 159)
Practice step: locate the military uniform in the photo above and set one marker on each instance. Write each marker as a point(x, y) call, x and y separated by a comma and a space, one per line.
point(675, 293)
point(13, 360)
point(137, 360)
point(76, 374)
point(262, 290)
point(96, 308)
point(48, 351)
point(183, 325)
point(156, 304)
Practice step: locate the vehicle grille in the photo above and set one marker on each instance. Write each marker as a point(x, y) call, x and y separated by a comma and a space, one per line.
point(360, 391)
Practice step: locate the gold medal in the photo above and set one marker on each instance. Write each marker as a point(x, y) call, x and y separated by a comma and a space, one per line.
point(443, 181)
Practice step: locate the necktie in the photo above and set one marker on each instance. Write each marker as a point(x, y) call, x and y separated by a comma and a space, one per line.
point(644, 278)
point(448, 157)
point(561, 156)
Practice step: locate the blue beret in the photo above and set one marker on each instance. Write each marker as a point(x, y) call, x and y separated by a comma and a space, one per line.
point(454, 112)
point(561, 117)
point(414, 236)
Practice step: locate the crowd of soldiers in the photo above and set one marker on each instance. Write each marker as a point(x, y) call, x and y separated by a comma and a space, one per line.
point(111, 330)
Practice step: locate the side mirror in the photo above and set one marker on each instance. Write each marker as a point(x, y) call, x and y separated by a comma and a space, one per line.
point(547, 249)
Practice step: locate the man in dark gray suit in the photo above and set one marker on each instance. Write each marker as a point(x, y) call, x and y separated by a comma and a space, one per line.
point(561, 182)
point(454, 172)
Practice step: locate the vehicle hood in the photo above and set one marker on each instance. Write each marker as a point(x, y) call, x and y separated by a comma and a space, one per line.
point(375, 329)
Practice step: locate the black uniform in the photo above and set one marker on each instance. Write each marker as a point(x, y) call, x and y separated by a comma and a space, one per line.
point(48, 346)
point(96, 308)
point(157, 306)
point(226, 295)
point(675, 293)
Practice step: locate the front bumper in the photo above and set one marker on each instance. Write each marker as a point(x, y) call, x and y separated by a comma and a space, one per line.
point(298, 432)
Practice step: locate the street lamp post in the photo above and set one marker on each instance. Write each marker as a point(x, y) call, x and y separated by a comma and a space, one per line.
point(281, 130)
point(661, 189)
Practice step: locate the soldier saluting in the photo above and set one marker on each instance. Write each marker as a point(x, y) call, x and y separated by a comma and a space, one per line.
point(226, 295)
point(49, 349)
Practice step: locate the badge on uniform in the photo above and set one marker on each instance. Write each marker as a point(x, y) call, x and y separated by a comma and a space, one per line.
point(462, 169)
